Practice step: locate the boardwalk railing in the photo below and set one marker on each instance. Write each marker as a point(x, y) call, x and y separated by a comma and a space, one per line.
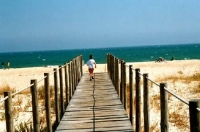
point(62, 95)
point(117, 71)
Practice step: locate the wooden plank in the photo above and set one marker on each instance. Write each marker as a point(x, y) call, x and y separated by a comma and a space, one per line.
point(95, 106)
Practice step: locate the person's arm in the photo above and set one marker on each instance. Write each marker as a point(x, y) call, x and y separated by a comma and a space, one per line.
point(95, 65)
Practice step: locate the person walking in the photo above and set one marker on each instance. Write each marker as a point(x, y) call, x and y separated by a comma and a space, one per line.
point(2, 64)
point(91, 65)
point(8, 64)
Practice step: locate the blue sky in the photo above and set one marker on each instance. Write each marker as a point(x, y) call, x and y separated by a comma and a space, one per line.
point(74, 24)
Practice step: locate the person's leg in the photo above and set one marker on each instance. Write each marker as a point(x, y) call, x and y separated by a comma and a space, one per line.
point(91, 73)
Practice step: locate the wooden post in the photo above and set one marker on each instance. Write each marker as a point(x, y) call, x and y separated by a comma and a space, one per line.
point(194, 115)
point(107, 62)
point(111, 67)
point(138, 101)
point(117, 75)
point(81, 64)
point(114, 72)
point(75, 77)
point(122, 82)
point(146, 103)
point(66, 86)
point(9, 112)
point(47, 102)
point(34, 93)
point(80, 67)
point(131, 93)
point(70, 82)
point(61, 91)
point(72, 74)
point(56, 97)
point(124, 65)
point(164, 108)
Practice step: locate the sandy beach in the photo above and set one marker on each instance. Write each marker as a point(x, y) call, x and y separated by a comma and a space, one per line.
point(19, 78)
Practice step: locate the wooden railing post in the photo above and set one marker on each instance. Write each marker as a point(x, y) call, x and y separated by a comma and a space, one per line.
point(138, 101)
point(81, 64)
point(61, 91)
point(80, 67)
point(131, 93)
point(72, 77)
point(122, 82)
point(47, 102)
point(9, 112)
point(124, 65)
point(146, 103)
point(194, 115)
point(107, 63)
point(77, 72)
point(56, 97)
point(34, 93)
point(74, 74)
point(117, 75)
point(111, 68)
point(164, 108)
point(70, 80)
point(66, 86)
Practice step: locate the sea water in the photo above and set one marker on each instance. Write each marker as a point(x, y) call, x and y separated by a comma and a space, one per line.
point(129, 54)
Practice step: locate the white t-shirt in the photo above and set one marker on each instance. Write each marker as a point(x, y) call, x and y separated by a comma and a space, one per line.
point(91, 63)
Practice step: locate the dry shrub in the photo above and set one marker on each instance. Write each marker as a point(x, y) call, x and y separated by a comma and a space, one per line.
point(2, 116)
point(23, 127)
point(154, 127)
point(27, 105)
point(151, 84)
point(5, 87)
point(195, 77)
point(27, 91)
point(180, 72)
point(155, 101)
point(16, 111)
point(195, 89)
point(179, 120)
point(187, 79)
point(41, 92)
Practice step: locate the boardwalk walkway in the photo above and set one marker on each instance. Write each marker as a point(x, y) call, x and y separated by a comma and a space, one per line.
point(95, 106)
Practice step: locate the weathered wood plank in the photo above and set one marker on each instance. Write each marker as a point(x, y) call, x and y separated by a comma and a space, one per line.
point(95, 106)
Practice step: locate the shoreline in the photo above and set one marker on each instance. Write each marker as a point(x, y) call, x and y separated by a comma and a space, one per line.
point(20, 77)
point(55, 66)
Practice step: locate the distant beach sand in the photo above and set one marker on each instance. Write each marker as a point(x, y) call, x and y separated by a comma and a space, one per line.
point(19, 78)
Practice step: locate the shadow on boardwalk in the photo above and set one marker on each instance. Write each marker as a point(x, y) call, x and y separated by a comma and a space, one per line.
point(95, 106)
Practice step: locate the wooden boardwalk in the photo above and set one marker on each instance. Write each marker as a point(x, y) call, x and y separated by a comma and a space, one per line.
point(95, 106)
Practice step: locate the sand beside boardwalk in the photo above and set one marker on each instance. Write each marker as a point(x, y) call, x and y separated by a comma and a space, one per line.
point(19, 78)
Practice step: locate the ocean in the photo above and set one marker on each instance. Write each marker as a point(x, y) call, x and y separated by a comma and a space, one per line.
point(129, 54)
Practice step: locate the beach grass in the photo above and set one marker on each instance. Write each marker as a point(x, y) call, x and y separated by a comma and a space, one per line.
point(5, 87)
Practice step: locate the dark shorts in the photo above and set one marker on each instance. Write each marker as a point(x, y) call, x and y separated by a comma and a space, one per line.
point(91, 70)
